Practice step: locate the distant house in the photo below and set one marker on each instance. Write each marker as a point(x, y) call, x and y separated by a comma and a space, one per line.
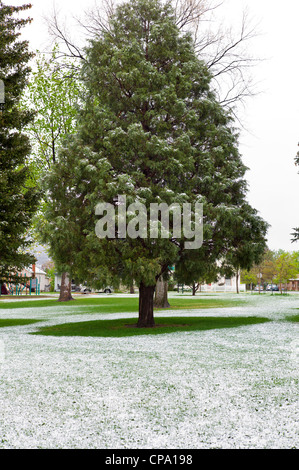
point(224, 284)
point(57, 283)
point(293, 284)
point(40, 275)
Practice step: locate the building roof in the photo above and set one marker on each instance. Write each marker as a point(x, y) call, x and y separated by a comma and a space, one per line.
point(37, 271)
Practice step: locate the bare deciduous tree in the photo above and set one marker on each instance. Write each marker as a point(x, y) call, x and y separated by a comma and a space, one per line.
point(223, 49)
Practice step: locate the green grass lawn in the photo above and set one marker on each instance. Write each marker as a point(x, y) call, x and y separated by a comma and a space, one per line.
point(16, 322)
point(120, 304)
point(294, 318)
point(127, 326)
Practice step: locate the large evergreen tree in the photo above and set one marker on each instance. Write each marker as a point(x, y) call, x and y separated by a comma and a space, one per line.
point(18, 201)
point(152, 130)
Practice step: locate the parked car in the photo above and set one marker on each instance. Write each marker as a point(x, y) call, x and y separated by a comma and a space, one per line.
point(85, 290)
point(272, 287)
point(106, 290)
point(258, 288)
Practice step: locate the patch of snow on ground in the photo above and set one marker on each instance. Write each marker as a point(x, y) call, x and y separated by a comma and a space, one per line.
point(226, 388)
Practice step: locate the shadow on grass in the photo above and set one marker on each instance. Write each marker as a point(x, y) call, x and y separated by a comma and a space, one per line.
point(127, 326)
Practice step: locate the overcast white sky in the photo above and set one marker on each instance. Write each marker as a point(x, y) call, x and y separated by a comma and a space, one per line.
point(269, 143)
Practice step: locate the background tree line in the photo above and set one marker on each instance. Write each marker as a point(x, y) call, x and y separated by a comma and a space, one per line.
point(275, 267)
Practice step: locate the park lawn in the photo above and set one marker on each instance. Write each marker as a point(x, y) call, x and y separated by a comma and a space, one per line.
point(120, 304)
point(16, 322)
point(127, 326)
point(294, 318)
point(12, 304)
point(204, 302)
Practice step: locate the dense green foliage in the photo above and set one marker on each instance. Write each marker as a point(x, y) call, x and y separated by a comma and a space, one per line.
point(18, 201)
point(151, 130)
point(53, 93)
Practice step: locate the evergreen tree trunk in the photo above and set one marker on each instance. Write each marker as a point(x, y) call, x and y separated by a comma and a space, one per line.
point(161, 294)
point(132, 291)
point(146, 306)
point(65, 288)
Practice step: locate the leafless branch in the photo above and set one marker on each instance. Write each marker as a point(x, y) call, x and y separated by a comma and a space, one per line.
point(191, 12)
point(60, 34)
point(222, 49)
point(97, 19)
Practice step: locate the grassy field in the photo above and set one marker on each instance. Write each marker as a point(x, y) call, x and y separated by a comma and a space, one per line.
point(127, 327)
point(7, 322)
point(294, 318)
point(114, 304)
